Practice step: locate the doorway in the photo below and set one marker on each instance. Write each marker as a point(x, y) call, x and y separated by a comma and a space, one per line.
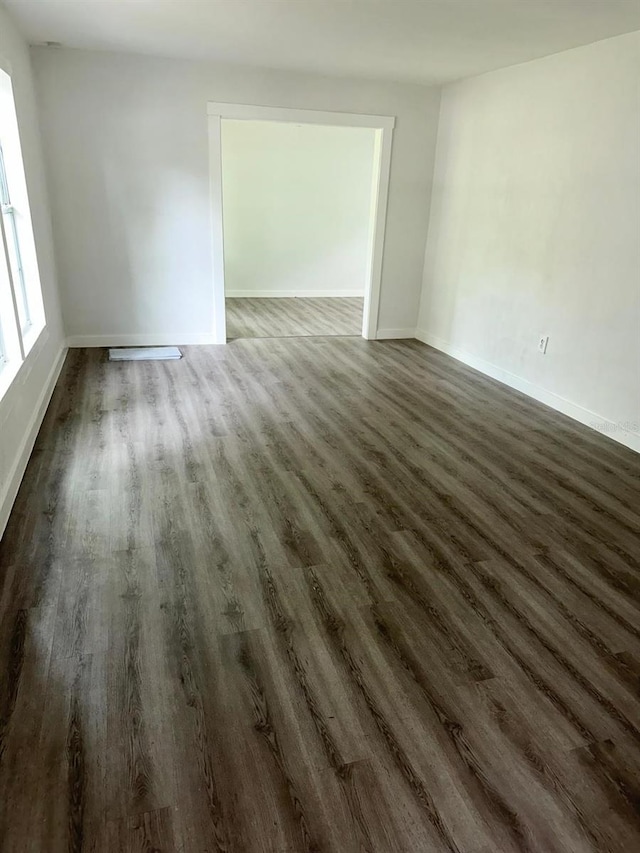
point(298, 219)
point(296, 205)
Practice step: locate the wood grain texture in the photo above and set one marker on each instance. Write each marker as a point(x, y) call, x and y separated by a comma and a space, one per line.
point(285, 317)
point(318, 594)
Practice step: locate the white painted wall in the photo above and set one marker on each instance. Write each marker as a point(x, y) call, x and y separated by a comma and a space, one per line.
point(127, 154)
point(23, 405)
point(535, 229)
point(297, 208)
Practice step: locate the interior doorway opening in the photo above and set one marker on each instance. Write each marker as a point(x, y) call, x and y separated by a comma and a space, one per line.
point(298, 218)
point(297, 210)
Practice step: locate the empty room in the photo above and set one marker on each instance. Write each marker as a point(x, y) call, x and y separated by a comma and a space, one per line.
point(320, 426)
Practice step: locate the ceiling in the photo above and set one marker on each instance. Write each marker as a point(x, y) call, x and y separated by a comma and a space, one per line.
point(422, 41)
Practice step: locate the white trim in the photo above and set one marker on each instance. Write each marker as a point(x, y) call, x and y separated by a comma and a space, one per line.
point(141, 340)
point(584, 416)
point(31, 433)
point(383, 125)
point(254, 112)
point(294, 294)
point(379, 198)
point(395, 334)
point(217, 228)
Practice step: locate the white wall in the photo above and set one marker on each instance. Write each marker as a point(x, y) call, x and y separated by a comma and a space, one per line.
point(127, 151)
point(297, 208)
point(535, 229)
point(22, 407)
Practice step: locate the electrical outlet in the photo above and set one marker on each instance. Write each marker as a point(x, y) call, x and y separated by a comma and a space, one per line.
point(543, 342)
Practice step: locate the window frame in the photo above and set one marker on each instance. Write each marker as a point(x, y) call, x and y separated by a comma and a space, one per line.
point(22, 315)
point(8, 213)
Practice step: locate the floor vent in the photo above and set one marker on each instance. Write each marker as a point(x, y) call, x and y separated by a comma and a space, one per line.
point(144, 353)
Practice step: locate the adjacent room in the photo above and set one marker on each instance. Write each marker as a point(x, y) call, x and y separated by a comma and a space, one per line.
point(319, 426)
point(297, 224)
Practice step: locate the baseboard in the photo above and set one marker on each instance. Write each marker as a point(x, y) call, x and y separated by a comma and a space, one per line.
point(31, 433)
point(141, 340)
point(394, 334)
point(597, 422)
point(298, 294)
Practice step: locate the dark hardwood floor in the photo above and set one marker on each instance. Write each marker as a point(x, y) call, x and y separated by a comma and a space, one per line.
point(318, 595)
point(293, 317)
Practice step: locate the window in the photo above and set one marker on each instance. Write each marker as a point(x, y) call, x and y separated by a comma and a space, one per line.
point(21, 308)
point(13, 247)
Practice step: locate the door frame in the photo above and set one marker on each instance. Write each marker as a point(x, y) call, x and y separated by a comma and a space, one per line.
point(383, 125)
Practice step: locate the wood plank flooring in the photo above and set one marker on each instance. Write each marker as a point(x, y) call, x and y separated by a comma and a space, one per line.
point(292, 317)
point(318, 594)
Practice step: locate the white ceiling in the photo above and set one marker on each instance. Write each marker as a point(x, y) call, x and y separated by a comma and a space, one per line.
point(413, 40)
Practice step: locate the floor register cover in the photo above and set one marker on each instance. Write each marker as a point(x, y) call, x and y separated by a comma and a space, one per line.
point(143, 353)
